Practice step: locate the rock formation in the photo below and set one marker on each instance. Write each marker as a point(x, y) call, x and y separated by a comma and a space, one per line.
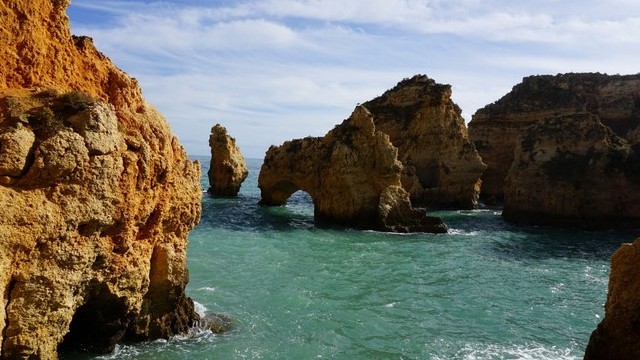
point(352, 174)
point(497, 128)
point(228, 169)
point(574, 171)
point(442, 169)
point(97, 196)
point(618, 335)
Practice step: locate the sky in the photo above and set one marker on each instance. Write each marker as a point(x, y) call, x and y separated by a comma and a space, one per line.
point(275, 70)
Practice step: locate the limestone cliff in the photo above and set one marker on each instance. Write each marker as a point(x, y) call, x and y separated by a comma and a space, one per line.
point(228, 169)
point(497, 128)
point(97, 196)
point(352, 174)
point(441, 167)
point(618, 335)
point(574, 171)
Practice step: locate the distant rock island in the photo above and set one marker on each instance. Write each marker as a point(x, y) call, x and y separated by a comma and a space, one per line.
point(97, 197)
point(352, 174)
point(441, 168)
point(228, 169)
point(563, 150)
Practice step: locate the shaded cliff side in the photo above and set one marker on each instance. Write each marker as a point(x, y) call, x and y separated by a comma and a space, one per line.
point(352, 174)
point(574, 171)
point(97, 195)
point(618, 335)
point(227, 169)
point(442, 169)
point(497, 128)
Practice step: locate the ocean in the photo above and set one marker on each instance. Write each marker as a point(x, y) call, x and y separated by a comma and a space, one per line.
point(486, 290)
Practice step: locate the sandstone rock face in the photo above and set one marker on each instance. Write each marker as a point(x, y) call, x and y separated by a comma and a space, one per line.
point(618, 335)
point(352, 174)
point(497, 128)
point(228, 169)
point(574, 171)
point(442, 169)
point(97, 196)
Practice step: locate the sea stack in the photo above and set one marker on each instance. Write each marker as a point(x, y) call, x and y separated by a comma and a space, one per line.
point(352, 174)
point(228, 169)
point(442, 168)
point(573, 171)
point(618, 335)
point(97, 196)
point(564, 150)
point(497, 128)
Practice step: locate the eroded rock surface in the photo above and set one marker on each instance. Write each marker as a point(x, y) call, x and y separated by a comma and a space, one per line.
point(97, 196)
point(497, 128)
point(618, 335)
point(228, 169)
point(574, 171)
point(352, 174)
point(442, 169)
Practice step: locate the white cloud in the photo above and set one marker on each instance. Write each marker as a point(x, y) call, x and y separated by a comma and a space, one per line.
point(276, 69)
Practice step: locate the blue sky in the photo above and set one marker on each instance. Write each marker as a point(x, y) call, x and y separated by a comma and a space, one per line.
point(274, 70)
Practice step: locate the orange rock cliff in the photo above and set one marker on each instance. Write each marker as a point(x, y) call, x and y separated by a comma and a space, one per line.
point(97, 195)
point(442, 168)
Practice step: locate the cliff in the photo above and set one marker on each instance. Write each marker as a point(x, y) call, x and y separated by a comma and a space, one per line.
point(497, 128)
point(442, 169)
point(228, 169)
point(618, 335)
point(573, 171)
point(97, 196)
point(352, 174)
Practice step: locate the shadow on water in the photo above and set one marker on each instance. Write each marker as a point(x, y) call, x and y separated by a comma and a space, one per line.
point(518, 242)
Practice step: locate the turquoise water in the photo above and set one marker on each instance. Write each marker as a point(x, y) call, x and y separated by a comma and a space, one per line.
point(485, 290)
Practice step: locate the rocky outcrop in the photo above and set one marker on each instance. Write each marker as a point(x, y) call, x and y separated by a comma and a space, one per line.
point(228, 169)
point(352, 174)
point(97, 196)
point(618, 335)
point(442, 169)
point(574, 171)
point(497, 128)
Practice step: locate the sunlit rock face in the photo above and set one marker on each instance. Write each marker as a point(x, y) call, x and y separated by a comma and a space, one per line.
point(228, 169)
point(352, 174)
point(97, 196)
point(573, 171)
point(497, 128)
point(618, 335)
point(442, 169)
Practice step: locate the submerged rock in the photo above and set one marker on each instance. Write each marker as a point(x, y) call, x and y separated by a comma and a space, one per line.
point(97, 196)
point(497, 128)
point(352, 174)
point(228, 169)
point(618, 335)
point(442, 168)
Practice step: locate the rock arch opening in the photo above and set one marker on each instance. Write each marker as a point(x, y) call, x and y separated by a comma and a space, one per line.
point(97, 325)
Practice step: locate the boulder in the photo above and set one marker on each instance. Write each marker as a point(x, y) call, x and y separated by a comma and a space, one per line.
point(618, 335)
point(497, 128)
point(352, 174)
point(228, 169)
point(97, 195)
point(442, 168)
